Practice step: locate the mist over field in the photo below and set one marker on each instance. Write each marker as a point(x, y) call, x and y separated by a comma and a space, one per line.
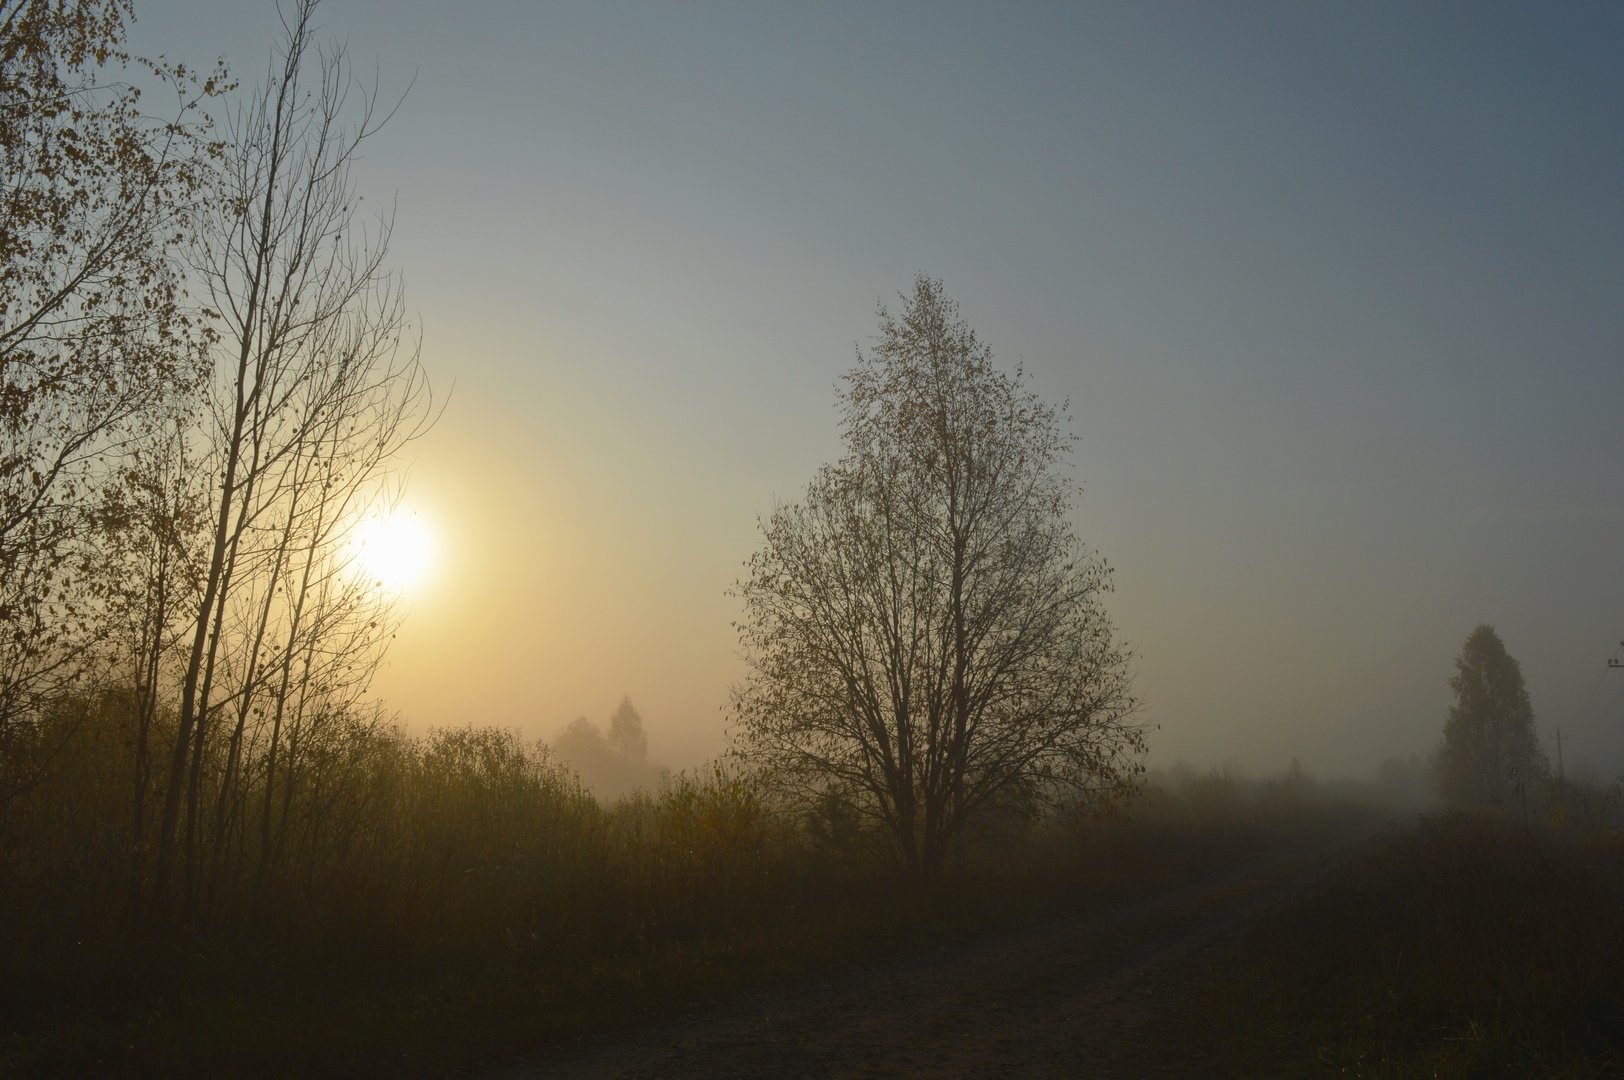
point(609, 539)
point(1329, 293)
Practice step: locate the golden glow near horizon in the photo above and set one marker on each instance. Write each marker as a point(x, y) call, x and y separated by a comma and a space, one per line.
point(395, 550)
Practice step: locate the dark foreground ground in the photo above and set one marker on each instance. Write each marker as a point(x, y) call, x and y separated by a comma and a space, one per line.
point(1451, 946)
point(728, 950)
point(1115, 991)
point(1316, 940)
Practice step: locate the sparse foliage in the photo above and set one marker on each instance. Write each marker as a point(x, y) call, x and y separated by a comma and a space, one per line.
point(924, 628)
point(98, 345)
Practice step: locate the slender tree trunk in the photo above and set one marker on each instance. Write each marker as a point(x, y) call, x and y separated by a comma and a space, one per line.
point(146, 710)
point(280, 709)
point(193, 709)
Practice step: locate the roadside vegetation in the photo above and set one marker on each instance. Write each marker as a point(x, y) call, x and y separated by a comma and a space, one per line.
point(462, 898)
point(1465, 945)
point(444, 900)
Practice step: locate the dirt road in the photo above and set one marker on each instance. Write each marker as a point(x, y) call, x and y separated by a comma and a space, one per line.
point(1094, 995)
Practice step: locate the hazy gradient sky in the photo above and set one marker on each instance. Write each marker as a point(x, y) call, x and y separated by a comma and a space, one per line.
point(1336, 293)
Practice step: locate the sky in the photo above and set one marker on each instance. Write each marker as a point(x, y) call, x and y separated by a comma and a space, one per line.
point(1334, 293)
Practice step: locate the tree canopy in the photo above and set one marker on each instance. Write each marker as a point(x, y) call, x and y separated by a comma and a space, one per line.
point(924, 628)
point(98, 345)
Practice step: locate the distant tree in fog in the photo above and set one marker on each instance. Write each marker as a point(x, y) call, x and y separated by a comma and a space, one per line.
point(1490, 746)
point(626, 735)
point(611, 765)
point(925, 630)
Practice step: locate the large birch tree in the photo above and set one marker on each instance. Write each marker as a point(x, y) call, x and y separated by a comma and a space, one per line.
point(924, 628)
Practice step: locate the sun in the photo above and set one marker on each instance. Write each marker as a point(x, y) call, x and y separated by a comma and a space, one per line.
point(394, 551)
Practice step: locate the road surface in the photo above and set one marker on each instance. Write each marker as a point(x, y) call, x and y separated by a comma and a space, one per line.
point(1095, 995)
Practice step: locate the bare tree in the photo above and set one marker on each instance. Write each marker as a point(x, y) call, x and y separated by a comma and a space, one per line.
point(316, 391)
point(924, 628)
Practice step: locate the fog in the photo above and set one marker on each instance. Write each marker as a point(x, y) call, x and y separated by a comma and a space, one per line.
point(611, 761)
point(1332, 296)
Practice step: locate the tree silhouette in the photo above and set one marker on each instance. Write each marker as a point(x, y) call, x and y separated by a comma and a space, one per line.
point(924, 627)
point(1490, 747)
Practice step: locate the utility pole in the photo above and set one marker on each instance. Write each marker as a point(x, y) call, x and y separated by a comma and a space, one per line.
point(1560, 774)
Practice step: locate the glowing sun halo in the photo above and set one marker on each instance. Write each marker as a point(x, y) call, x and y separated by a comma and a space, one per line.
point(395, 551)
